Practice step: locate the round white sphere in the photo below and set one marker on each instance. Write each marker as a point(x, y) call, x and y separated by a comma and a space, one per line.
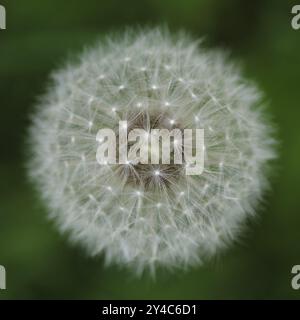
point(149, 215)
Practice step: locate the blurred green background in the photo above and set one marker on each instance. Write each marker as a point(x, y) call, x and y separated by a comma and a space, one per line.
point(40, 34)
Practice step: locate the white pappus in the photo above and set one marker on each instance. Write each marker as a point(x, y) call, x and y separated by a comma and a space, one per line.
point(138, 215)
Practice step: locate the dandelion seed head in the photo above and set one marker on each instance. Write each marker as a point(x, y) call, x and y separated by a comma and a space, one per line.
point(113, 209)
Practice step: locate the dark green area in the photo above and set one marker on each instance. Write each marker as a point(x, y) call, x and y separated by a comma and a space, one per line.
point(39, 36)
